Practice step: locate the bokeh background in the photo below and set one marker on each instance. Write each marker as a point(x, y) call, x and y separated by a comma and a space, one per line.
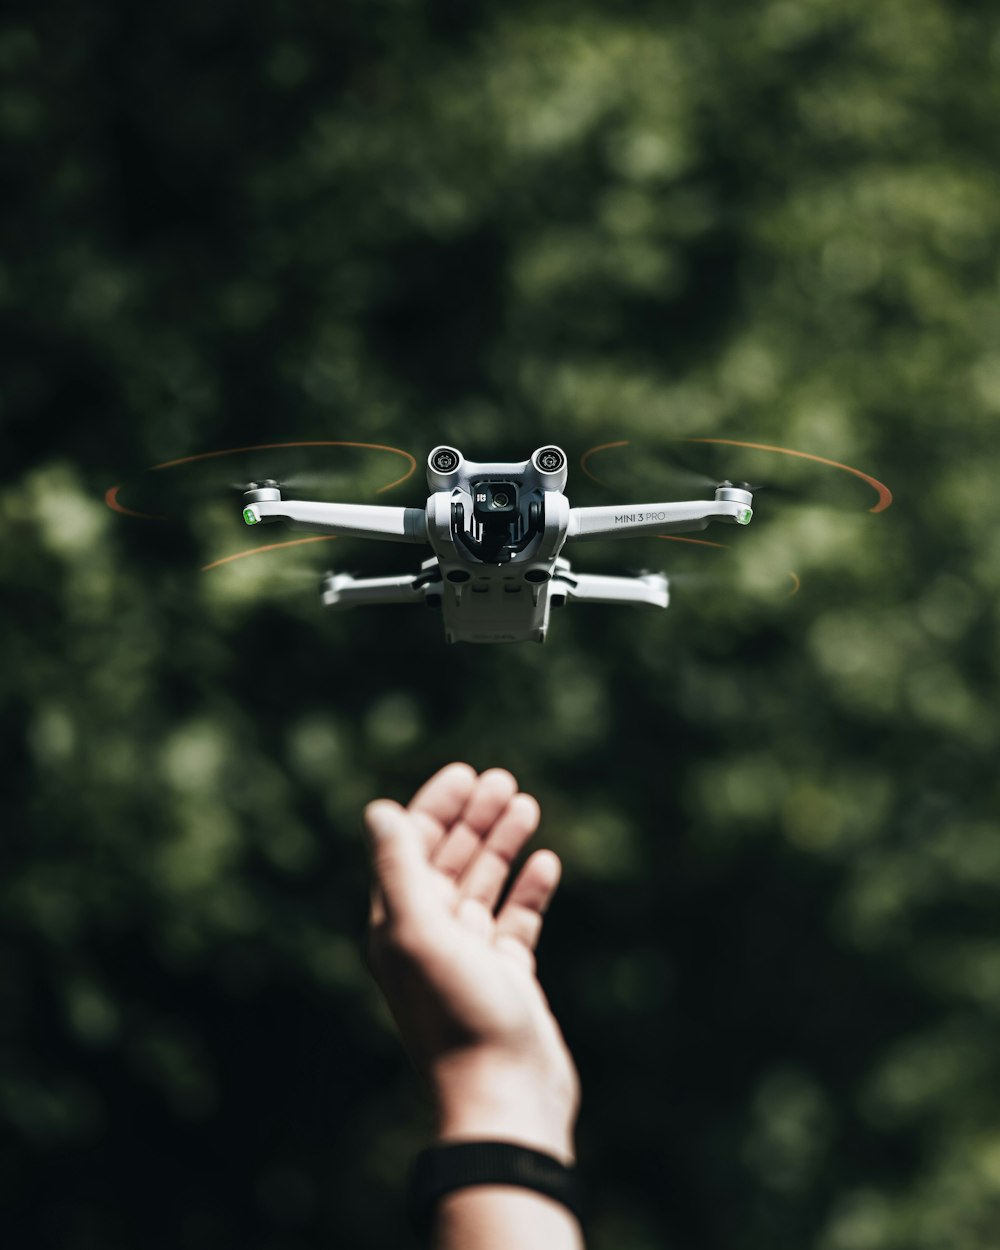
point(775, 951)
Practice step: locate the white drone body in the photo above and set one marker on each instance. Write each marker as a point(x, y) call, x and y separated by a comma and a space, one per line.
point(497, 531)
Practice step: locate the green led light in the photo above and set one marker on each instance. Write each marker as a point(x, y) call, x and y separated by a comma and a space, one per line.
point(250, 516)
point(743, 518)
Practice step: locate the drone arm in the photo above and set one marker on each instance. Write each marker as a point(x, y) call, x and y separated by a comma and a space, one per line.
point(342, 590)
point(648, 588)
point(629, 520)
point(348, 520)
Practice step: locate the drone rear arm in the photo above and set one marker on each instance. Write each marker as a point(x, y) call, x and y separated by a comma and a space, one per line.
point(349, 520)
point(342, 590)
point(628, 520)
point(648, 588)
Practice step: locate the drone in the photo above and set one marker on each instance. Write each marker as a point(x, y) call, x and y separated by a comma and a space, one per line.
point(497, 531)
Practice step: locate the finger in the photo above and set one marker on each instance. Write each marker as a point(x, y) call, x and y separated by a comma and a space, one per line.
point(429, 830)
point(376, 906)
point(441, 800)
point(399, 862)
point(491, 794)
point(440, 888)
point(519, 921)
point(487, 873)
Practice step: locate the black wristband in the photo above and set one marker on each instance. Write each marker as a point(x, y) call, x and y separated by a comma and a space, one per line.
point(452, 1165)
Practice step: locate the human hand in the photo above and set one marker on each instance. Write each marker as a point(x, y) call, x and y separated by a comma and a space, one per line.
point(460, 981)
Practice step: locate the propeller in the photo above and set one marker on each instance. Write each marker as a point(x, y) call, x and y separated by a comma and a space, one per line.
point(204, 492)
point(290, 571)
point(234, 557)
point(323, 468)
point(779, 478)
point(682, 467)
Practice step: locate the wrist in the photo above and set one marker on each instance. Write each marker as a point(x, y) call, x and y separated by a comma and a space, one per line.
point(499, 1104)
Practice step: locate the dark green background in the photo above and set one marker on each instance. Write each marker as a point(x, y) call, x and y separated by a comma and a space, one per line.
point(775, 951)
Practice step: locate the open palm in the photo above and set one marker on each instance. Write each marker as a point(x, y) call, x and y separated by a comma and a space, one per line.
point(460, 980)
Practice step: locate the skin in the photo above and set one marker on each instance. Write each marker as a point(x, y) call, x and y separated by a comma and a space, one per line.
point(459, 974)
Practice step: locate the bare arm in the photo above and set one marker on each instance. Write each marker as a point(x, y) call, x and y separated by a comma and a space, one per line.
point(461, 984)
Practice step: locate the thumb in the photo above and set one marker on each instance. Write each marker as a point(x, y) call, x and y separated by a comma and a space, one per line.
point(398, 858)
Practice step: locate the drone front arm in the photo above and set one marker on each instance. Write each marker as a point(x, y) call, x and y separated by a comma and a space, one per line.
point(348, 520)
point(629, 520)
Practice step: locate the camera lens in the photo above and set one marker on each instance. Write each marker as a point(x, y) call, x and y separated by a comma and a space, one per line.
point(495, 503)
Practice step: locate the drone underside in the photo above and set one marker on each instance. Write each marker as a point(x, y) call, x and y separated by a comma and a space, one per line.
point(495, 604)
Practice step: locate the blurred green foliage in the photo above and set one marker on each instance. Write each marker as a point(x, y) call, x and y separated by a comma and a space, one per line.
point(775, 952)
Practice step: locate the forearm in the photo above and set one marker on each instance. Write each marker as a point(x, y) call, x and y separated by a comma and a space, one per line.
point(499, 1217)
